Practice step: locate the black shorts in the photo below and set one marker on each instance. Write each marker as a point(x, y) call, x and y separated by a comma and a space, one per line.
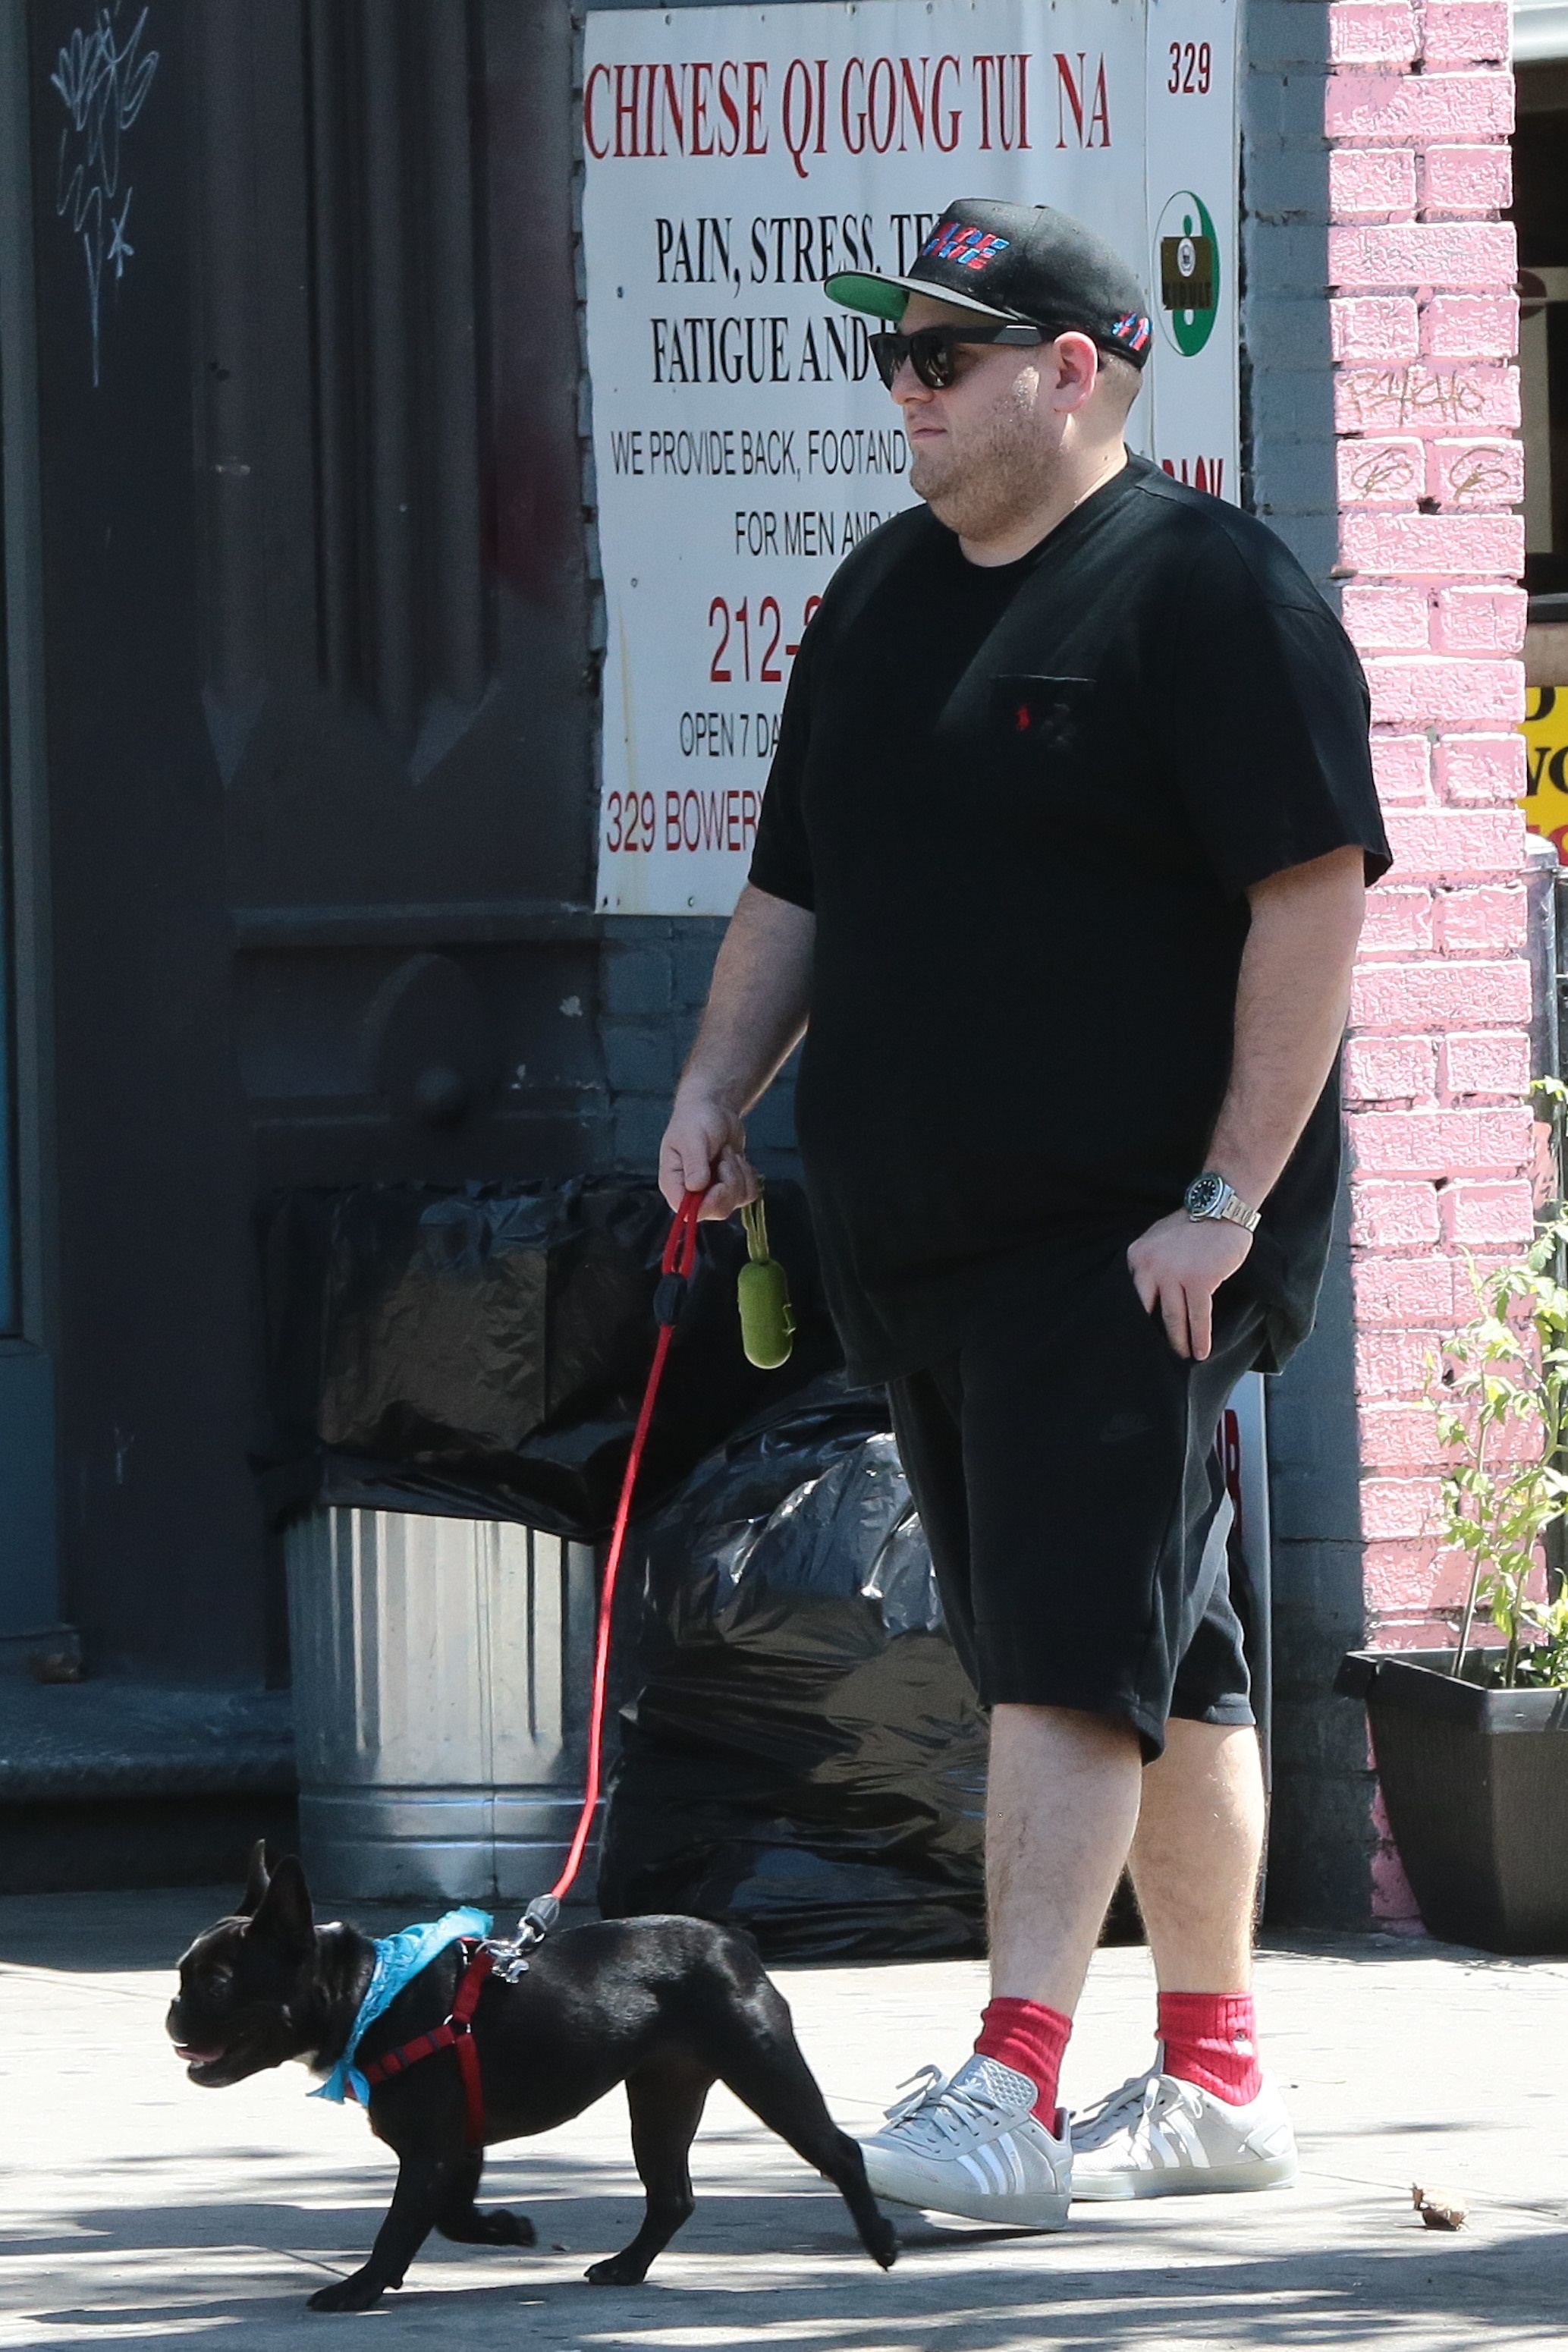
point(1065, 1468)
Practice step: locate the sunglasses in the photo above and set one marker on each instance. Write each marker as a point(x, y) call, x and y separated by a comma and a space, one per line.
point(933, 352)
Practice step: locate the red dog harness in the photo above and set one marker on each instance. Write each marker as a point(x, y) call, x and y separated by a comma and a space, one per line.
point(456, 2033)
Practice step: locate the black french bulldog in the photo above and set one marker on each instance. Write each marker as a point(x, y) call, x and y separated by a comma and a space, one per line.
point(667, 2006)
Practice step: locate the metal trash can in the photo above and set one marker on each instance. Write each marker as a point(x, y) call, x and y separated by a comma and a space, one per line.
point(440, 1688)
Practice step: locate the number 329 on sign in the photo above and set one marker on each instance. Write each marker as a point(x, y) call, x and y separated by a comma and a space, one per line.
point(1192, 70)
point(630, 820)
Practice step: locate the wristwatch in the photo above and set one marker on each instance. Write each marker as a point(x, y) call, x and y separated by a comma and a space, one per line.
point(1209, 1195)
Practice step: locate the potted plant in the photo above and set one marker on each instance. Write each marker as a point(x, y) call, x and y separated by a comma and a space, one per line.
point(1471, 1743)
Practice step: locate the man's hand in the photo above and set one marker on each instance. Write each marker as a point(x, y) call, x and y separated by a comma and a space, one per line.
point(704, 1145)
point(1178, 1265)
point(1290, 1001)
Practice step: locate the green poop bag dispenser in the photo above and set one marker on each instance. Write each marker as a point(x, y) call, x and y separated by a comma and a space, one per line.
point(767, 1325)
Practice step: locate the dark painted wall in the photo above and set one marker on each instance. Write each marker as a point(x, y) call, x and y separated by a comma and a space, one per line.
point(29, 1583)
point(320, 695)
point(150, 1159)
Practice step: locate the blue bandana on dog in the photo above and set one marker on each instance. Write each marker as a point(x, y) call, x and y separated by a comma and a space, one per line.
point(398, 1959)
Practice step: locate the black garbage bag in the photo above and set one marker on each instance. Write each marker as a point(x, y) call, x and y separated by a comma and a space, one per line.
point(803, 1756)
point(483, 1350)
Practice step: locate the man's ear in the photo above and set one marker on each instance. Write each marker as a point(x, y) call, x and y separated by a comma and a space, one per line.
point(255, 1883)
point(1077, 369)
point(283, 1916)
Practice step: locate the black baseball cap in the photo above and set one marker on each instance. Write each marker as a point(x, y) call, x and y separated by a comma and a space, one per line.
point(1014, 261)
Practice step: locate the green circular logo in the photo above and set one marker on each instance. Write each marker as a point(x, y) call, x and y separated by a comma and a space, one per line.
point(1186, 267)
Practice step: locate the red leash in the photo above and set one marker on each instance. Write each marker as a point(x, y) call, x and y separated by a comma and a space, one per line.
point(680, 1257)
point(457, 2032)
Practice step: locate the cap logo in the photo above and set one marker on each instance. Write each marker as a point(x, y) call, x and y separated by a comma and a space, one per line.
point(1131, 329)
point(969, 248)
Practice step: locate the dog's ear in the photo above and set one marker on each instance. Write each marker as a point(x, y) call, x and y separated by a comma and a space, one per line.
point(284, 1917)
point(255, 1883)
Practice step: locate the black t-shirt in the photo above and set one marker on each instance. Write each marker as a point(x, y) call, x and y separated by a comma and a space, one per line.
point(1025, 803)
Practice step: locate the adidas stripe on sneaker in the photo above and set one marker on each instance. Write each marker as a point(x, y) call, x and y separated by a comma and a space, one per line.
point(971, 2145)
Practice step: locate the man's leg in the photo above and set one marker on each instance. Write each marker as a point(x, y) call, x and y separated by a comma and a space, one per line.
point(1068, 1795)
point(1046, 1458)
point(1062, 1800)
point(1205, 2117)
point(1194, 1864)
point(1196, 1856)
point(1062, 1808)
point(1061, 1805)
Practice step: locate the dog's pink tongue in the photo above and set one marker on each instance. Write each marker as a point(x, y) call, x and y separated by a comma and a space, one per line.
point(196, 2057)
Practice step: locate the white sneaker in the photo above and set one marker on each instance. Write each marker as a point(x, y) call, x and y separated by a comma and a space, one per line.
point(1159, 2136)
point(970, 2145)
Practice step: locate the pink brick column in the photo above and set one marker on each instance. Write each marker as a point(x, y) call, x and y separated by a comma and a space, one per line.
point(1417, 110)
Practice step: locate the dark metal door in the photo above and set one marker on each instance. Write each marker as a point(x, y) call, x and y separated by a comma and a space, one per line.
point(395, 664)
point(321, 690)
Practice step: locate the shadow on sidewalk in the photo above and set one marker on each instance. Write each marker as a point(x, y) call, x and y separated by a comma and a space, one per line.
point(1135, 2277)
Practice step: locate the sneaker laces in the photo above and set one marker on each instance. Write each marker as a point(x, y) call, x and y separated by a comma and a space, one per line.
point(1132, 2109)
point(941, 2114)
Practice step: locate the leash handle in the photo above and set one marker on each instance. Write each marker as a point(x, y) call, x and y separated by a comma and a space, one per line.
point(681, 1242)
point(675, 1271)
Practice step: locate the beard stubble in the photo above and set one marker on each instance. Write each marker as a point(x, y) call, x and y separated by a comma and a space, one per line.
point(1001, 468)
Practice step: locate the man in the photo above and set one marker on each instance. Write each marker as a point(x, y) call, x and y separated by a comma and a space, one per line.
point(1063, 858)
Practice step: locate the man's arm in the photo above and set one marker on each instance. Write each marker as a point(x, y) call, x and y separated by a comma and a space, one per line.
point(1290, 1004)
point(756, 1016)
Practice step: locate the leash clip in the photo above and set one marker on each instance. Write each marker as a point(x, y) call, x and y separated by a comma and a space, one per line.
point(532, 1928)
point(510, 1965)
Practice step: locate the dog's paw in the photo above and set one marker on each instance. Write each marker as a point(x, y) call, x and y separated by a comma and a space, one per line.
point(616, 2271)
point(499, 2227)
point(884, 2246)
point(356, 2294)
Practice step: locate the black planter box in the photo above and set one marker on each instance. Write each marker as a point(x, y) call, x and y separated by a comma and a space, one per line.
point(1476, 1783)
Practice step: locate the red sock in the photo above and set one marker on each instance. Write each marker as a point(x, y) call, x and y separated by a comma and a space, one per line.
point(1031, 2039)
point(1210, 2040)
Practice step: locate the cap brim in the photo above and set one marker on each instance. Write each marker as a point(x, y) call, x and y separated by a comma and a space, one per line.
point(886, 297)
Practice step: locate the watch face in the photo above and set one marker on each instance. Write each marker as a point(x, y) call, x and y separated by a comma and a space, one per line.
point(1204, 1195)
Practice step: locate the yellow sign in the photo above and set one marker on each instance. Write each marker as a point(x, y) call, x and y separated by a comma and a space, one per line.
point(1545, 732)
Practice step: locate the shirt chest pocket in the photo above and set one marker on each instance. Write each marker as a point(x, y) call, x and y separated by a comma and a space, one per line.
point(1042, 720)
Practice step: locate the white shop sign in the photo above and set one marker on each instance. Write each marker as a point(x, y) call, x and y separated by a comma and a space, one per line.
point(742, 441)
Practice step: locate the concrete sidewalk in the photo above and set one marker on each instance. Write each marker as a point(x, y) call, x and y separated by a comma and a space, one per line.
point(137, 2206)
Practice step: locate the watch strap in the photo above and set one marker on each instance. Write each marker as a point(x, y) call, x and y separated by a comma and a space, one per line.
point(1222, 1201)
point(1236, 1211)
